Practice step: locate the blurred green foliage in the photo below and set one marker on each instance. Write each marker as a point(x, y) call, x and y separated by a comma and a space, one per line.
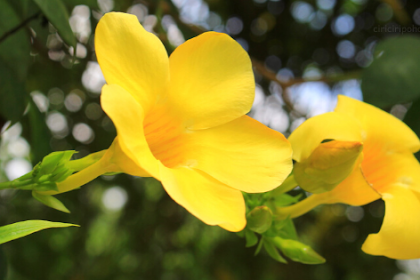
point(48, 85)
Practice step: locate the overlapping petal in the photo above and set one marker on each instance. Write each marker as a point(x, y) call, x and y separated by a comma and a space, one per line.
point(206, 198)
point(243, 154)
point(399, 234)
point(212, 81)
point(127, 116)
point(379, 127)
point(187, 128)
point(131, 57)
point(354, 190)
point(334, 126)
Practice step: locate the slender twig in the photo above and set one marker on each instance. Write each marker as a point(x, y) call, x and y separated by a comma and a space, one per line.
point(15, 29)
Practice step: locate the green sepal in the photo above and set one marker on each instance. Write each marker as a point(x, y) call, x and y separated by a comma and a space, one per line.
point(286, 199)
point(24, 228)
point(286, 229)
point(251, 238)
point(50, 201)
point(44, 187)
point(54, 162)
point(61, 176)
point(298, 251)
point(259, 247)
point(272, 251)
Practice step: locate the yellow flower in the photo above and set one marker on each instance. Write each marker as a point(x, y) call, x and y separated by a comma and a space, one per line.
point(182, 119)
point(388, 170)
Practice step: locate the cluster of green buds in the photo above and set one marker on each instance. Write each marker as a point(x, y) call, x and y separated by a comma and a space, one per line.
point(53, 169)
point(45, 175)
point(276, 234)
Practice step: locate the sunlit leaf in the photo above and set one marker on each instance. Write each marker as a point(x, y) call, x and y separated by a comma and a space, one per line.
point(393, 75)
point(24, 228)
point(57, 14)
point(50, 201)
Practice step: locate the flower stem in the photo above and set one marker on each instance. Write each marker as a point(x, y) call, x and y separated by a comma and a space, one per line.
point(301, 207)
point(82, 177)
point(14, 184)
point(288, 185)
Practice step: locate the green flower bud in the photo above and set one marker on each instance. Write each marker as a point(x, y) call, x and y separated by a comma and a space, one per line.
point(51, 162)
point(260, 219)
point(297, 251)
point(328, 165)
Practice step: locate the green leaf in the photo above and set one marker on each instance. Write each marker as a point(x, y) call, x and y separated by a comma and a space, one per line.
point(412, 119)
point(50, 201)
point(392, 77)
point(15, 48)
point(251, 238)
point(24, 228)
point(13, 95)
point(56, 13)
point(272, 251)
point(39, 134)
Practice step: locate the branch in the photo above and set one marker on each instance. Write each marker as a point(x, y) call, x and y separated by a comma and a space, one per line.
point(15, 29)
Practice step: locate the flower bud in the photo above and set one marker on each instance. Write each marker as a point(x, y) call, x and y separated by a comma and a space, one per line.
point(297, 251)
point(260, 219)
point(328, 165)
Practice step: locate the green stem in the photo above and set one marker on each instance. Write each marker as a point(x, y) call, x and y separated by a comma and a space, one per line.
point(288, 185)
point(14, 184)
point(301, 207)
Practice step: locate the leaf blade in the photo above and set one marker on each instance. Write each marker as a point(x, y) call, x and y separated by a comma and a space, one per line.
point(50, 201)
point(24, 228)
point(56, 13)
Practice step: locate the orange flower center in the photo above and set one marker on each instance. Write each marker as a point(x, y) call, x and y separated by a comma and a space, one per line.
point(163, 133)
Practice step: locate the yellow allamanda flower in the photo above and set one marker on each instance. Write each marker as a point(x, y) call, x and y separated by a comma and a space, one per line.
point(182, 120)
point(386, 168)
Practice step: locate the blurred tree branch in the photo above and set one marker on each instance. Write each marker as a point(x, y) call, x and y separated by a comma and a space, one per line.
point(22, 24)
point(399, 12)
point(169, 8)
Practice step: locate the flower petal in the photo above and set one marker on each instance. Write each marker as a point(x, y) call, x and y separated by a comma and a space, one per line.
point(400, 231)
point(380, 128)
point(212, 81)
point(334, 126)
point(243, 154)
point(354, 190)
point(383, 169)
point(127, 116)
point(131, 57)
point(206, 198)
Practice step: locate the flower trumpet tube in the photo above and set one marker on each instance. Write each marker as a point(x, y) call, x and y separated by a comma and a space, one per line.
point(182, 120)
point(387, 169)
